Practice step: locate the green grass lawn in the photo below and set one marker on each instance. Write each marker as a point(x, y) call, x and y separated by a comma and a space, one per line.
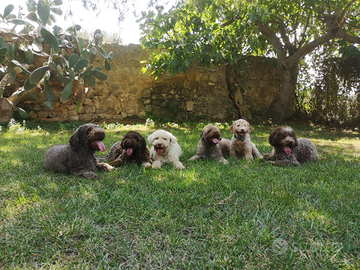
point(208, 216)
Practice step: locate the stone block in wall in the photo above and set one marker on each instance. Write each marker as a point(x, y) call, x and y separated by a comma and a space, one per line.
point(33, 114)
point(43, 114)
point(146, 93)
point(73, 113)
point(90, 109)
point(38, 107)
point(73, 118)
point(87, 101)
point(87, 117)
point(53, 114)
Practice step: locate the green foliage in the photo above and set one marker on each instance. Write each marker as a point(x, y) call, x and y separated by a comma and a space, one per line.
point(67, 68)
point(329, 93)
point(184, 37)
point(212, 32)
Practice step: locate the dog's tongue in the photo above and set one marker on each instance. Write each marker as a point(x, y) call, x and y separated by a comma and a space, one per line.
point(215, 140)
point(159, 151)
point(129, 151)
point(101, 146)
point(287, 150)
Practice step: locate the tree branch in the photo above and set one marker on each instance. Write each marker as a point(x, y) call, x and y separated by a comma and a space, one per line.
point(229, 22)
point(308, 48)
point(273, 39)
point(349, 38)
point(343, 14)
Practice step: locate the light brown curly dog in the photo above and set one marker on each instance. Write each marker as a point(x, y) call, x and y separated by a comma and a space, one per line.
point(211, 145)
point(241, 144)
point(288, 149)
point(78, 157)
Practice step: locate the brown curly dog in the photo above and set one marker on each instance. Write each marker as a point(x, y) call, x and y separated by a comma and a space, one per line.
point(211, 145)
point(288, 149)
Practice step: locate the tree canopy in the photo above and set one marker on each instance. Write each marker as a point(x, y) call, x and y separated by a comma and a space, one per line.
point(212, 32)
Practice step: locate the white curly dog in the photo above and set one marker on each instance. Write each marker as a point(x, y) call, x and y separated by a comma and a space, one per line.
point(164, 149)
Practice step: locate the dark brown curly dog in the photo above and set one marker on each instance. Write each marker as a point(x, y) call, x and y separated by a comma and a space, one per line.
point(211, 145)
point(132, 149)
point(288, 149)
point(78, 157)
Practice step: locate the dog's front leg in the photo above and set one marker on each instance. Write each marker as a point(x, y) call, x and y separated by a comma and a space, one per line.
point(146, 164)
point(102, 166)
point(256, 152)
point(194, 158)
point(87, 174)
point(178, 165)
point(248, 155)
point(223, 160)
point(233, 153)
point(117, 162)
point(157, 164)
point(268, 157)
point(289, 160)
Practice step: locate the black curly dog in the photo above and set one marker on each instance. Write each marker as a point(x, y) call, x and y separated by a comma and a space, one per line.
point(132, 149)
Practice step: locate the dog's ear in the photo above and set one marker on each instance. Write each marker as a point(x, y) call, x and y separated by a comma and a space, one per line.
point(74, 140)
point(202, 135)
point(274, 137)
point(232, 128)
point(293, 134)
point(250, 129)
point(150, 139)
point(122, 144)
point(143, 144)
point(173, 139)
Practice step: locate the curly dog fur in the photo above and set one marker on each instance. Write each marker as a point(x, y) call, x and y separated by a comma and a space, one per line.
point(211, 145)
point(78, 157)
point(164, 149)
point(132, 149)
point(288, 149)
point(241, 144)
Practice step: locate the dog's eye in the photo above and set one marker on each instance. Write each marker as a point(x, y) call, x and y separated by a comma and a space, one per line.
point(165, 139)
point(156, 138)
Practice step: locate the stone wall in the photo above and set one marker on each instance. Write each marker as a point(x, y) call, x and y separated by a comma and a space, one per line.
point(129, 93)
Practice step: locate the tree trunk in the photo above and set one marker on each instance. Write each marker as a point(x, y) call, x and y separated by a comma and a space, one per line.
point(281, 106)
point(7, 105)
point(235, 92)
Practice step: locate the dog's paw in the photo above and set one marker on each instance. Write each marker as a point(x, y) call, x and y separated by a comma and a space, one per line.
point(117, 163)
point(267, 156)
point(146, 164)
point(156, 165)
point(178, 165)
point(223, 161)
point(90, 175)
point(194, 158)
point(104, 167)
